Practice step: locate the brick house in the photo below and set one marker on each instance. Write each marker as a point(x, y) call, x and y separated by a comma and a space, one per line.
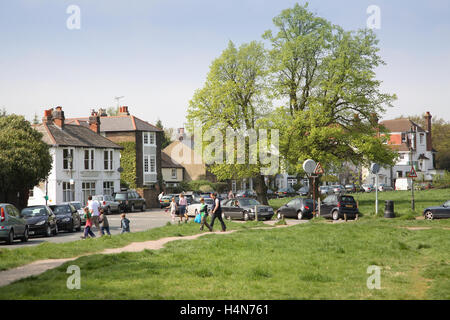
point(147, 138)
point(84, 162)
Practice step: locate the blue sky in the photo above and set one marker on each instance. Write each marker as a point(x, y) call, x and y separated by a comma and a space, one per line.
point(156, 53)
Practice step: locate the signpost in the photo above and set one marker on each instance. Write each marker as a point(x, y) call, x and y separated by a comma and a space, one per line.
point(375, 169)
point(412, 174)
point(313, 170)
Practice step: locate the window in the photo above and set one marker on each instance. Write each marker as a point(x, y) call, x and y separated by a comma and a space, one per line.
point(87, 189)
point(89, 159)
point(67, 159)
point(149, 138)
point(146, 164)
point(174, 173)
point(108, 187)
point(152, 164)
point(108, 159)
point(68, 192)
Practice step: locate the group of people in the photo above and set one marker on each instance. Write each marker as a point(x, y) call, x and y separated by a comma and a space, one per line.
point(96, 216)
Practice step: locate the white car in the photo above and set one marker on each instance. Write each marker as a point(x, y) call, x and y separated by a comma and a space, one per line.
point(194, 208)
point(368, 187)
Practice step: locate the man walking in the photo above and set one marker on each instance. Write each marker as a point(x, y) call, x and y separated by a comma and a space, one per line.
point(95, 212)
point(217, 212)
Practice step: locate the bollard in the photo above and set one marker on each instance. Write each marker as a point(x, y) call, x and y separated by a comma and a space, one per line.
point(389, 209)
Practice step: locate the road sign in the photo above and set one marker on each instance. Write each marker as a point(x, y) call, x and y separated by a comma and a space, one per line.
point(375, 168)
point(309, 166)
point(412, 173)
point(319, 169)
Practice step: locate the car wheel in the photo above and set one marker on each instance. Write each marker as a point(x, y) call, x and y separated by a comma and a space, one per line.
point(143, 207)
point(48, 231)
point(335, 215)
point(429, 215)
point(299, 215)
point(25, 236)
point(246, 216)
point(10, 239)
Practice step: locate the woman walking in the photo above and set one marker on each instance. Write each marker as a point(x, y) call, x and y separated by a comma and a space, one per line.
point(182, 203)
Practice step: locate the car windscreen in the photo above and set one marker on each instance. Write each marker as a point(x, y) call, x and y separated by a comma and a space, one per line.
point(34, 212)
point(97, 198)
point(248, 202)
point(121, 196)
point(347, 199)
point(77, 205)
point(60, 210)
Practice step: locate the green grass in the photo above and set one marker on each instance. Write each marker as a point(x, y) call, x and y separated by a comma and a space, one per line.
point(315, 260)
point(10, 258)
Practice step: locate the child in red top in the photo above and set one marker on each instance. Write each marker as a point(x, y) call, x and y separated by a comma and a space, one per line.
point(88, 226)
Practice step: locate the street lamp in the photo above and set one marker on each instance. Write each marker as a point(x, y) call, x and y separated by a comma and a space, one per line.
point(409, 143)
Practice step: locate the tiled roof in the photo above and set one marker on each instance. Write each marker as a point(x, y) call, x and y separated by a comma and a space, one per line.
point(401, 125)
point(399, 147)
point(117, 123)
point(74, 136)
point(168, 162)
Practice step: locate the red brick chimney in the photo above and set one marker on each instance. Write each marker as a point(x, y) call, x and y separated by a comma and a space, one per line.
point(428, 123)
point(123, 111)
point(58, 117)
point(48, 118)
point(94, 122)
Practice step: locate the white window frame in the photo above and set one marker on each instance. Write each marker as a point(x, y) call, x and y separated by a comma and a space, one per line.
point(90, 159)
point(70, 152)
point(174, 170)
point(108, 160)
point(149, 138)
point(68, 193)
point(108, 187)
point(152, 159)
point(87, 189)
point(146, 164)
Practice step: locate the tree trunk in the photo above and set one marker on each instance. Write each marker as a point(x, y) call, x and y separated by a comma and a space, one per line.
point(261, 190)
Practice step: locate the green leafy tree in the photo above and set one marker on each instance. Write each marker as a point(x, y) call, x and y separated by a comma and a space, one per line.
point(166, 136)
point(25, 159)
point(112, 111)
point(233, 98)
point(325, 77)
point(128, 164)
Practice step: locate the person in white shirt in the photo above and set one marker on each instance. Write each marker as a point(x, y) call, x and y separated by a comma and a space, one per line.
point(95, 212)
point(160, 196)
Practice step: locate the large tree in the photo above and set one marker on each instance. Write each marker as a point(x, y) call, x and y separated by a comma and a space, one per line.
point(232, 99)
point(24, 158)
point(325, 79)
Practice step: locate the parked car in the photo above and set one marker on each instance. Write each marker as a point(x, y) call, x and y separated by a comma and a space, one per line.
point(245, 194)
point(350, 188)
point(299, 208)
point(165, 201)
point(438, 212)
point(271, 194)
point(107, 203)
point(41, 220)
point(359, 188)
point(80, 210)
point(335, 206)
point(338, 189)
point(194, 208)
point(286, 192)
point(67, 217)
point(12, 224)
point(325, 190)
point(244, 208)
point(368, 187)
point(384, 187)
point(303, 191)
point(129, 201)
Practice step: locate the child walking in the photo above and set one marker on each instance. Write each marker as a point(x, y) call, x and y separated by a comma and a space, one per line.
point(104, 224)
point(124, 224)
point(173, 209)
point(88, 226)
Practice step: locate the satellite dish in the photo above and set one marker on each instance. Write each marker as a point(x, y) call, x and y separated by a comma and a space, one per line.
point(309, 166)
point(375, 168)
point(120, 169)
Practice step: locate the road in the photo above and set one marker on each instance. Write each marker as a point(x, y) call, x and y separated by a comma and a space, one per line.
point(139, 221)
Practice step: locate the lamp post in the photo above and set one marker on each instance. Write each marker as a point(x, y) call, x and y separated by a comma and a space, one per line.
point(409, 142)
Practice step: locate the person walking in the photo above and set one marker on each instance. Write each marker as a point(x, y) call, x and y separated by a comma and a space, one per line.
point(94, 209)
point(87, 227)
point(124, 224)
point(204, 215)
point(173, 209)
point(230, 195)
point(217, 212)
point(104, 224)
point(182, 203)
point(160, 196)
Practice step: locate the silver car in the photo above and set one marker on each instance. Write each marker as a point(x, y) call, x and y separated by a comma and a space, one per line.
point(107, 203)
point(79, 208)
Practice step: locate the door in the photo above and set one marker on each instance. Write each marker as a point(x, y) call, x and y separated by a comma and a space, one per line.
point(226, 208)
point(289, 210)
point(327, 205)
point(19, 224)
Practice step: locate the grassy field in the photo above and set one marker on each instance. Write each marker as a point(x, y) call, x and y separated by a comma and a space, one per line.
point(402, 201)
point(316, 260)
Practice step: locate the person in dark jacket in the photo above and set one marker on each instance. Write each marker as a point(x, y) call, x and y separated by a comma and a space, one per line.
point(217, 212)
point(104, 224)
point(124, 224)
point(204, 214)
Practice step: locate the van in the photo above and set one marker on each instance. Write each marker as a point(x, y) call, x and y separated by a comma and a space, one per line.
point(403, 184)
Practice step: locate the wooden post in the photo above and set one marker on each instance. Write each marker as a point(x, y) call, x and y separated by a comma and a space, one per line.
point(256, 213)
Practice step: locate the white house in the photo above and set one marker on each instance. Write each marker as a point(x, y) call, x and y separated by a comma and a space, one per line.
point(84, 162)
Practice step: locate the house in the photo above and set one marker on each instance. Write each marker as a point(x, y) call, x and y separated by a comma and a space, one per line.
point(172, 172)
point(415, 148)
point(147, 143)
point(84, 162)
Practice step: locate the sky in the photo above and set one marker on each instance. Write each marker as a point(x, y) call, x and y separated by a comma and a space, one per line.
point(156, 53)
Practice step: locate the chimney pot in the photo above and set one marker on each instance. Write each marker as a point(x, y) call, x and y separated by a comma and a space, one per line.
point(58, 117)
point(123, 111)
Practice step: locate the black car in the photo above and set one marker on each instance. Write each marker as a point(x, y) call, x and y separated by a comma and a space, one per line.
point(303, 191)
point(286, 192)
point(246, 194)
point(337, 206)
point(244, 208)
point(438, 212)
point(41, 220)
point(129, 201)
point(67, 217)
point(297, 208)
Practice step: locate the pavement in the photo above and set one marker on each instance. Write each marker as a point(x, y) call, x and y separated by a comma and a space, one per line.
point(139, 221)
